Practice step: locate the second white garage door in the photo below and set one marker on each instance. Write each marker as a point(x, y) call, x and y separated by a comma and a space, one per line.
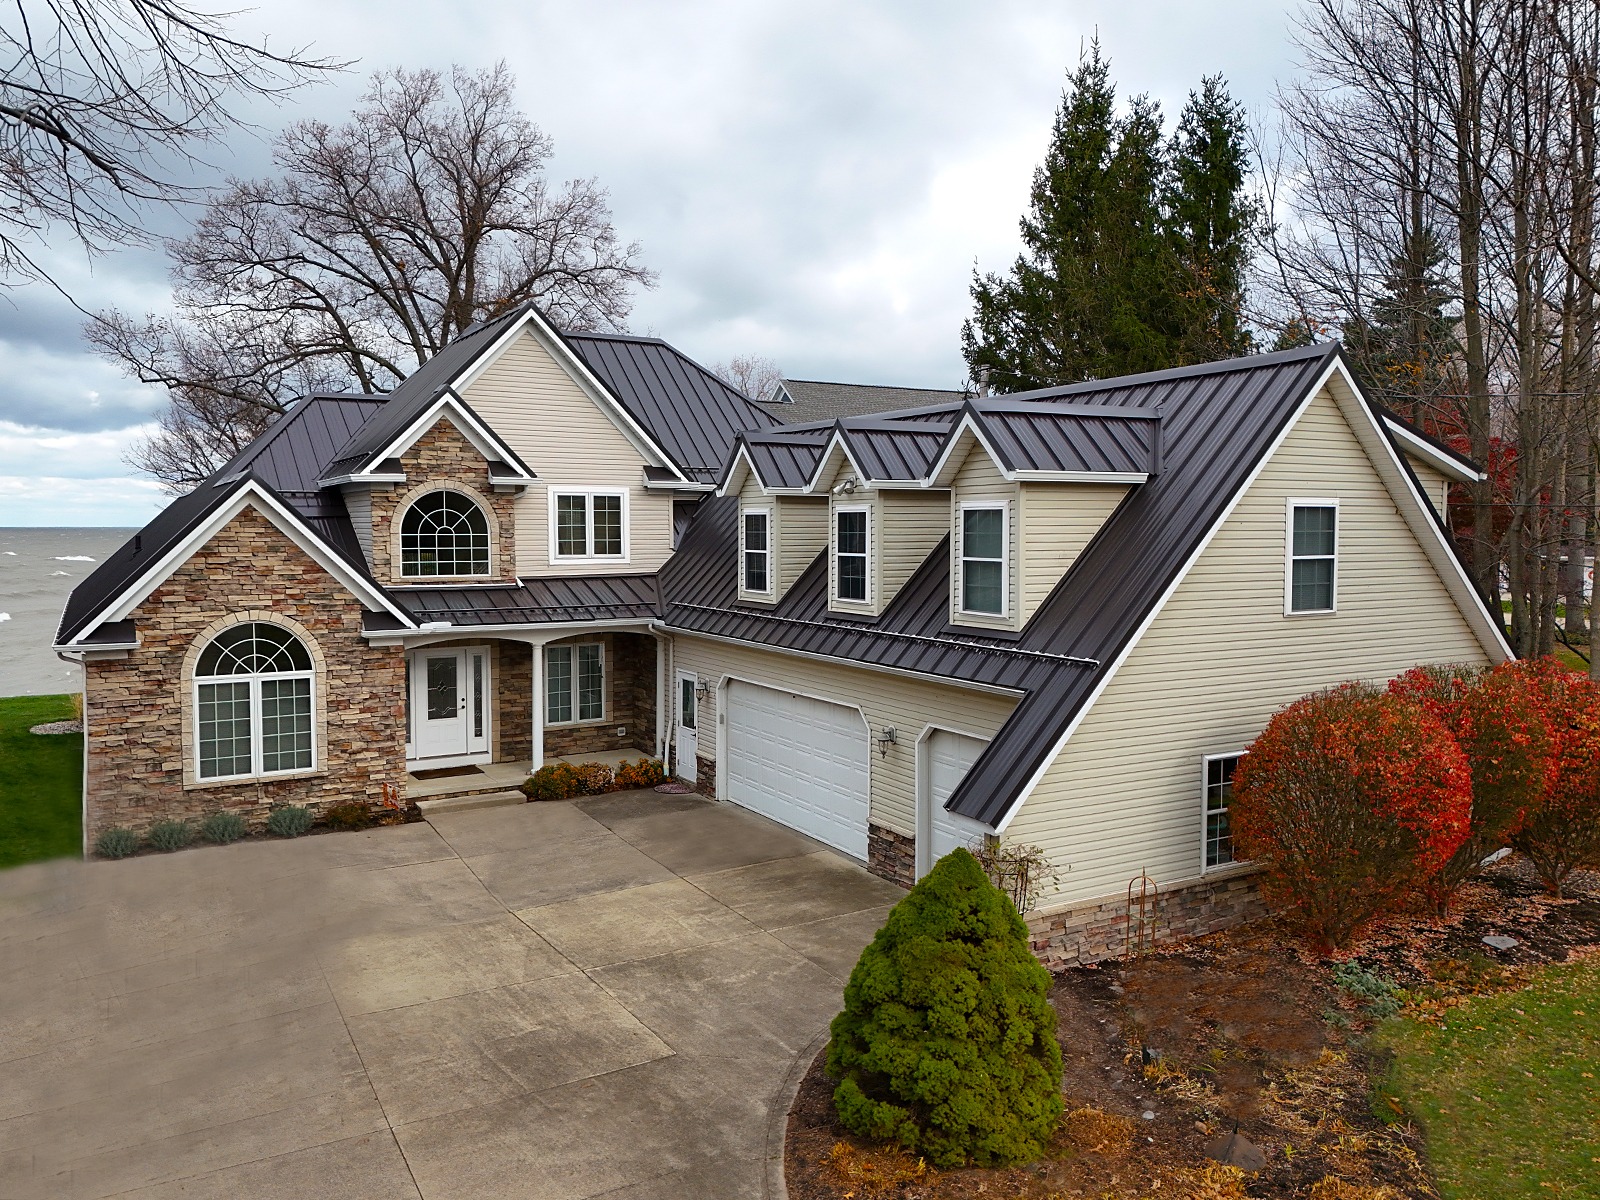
point(943, 759)
point(800, 761)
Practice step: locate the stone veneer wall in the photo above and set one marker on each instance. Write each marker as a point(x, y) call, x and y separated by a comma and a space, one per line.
point(513, 687)
point(891, 855)
point(1090, 930)
point(630, 692)
point(137, 709)
point(442, 456)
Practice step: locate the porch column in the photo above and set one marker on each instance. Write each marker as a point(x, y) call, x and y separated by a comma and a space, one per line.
point(538, 708)
point(665, 699)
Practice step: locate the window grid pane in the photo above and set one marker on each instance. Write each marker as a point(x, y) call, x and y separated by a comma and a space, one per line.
point(444, 533)
point(852, 576)
point(558, 684)
point(224, 724)
point(1313, 530)
point(983, 533)
point(572, 525)
point(591, 683)
point(1311, 585)
point(608, 525)
point(285, 724)
point(981, 587)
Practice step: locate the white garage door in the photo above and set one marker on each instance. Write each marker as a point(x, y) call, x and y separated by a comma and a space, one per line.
point(799, 761)
point(944, 758)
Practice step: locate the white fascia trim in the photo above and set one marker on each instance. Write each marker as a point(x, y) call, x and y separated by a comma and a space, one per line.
point(1129, 477)
point(1419, 515)
point(341, 480)
point(447, 405)
point(812, 656)
point(75, 648)
point(1420, 448)
point(659, 485)
point(286, 522)
point(733, 481)
point(1110, 672)
point(936, 473)
point(585, 378)
point(836, 442)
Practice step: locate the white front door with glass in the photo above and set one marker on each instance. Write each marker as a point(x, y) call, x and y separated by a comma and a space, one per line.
point(448, 715)
point(688, 739)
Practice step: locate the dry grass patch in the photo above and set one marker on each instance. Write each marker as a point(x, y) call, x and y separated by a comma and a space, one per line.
point(1091, 1131)
point(875, 1172)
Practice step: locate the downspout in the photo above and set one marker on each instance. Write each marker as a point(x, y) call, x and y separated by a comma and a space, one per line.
point(83, 799)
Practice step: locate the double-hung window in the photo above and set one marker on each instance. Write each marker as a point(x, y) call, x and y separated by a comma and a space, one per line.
point(588, 524)
point(850, 543)
point(983, 559)
point(1313, 556)
point(574, 683)
point(253, 703)
point(756, 530)
point(1217, 799)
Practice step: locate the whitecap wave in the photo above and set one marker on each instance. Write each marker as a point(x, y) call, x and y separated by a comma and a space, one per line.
point(13, 553)
point(73, 558)
point(5, 616)
point(61, 572)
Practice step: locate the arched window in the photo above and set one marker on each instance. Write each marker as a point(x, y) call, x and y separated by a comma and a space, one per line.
point(444, 533)
point(253, 703)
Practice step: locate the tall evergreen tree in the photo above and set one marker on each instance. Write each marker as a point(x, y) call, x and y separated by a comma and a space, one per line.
point(1134, 247)
point(1212, 221)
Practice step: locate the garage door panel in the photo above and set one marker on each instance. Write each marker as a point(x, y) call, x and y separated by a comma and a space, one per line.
point(948, 756)
point(801, 761)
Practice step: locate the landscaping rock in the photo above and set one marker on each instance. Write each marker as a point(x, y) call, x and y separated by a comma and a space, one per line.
point(1499, 941)
point(50, 727)
point(1235, 1150)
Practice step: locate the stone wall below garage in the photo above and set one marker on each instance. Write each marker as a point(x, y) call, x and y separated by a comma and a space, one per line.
point(1091, 930)
point(891, 855)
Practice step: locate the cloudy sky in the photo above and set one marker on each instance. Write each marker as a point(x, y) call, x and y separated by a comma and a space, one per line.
point(813, 181)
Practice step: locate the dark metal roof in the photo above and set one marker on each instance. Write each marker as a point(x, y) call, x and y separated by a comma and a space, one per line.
point(535, 601)
point(1035, 435)
point(786, 461)
point(893, 449)
point(689, 412)
point(811, 401)
point(1465, 463)
point(1218, 421)
point(294, 449)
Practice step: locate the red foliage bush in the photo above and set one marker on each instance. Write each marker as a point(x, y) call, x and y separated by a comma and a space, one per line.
point(1561, 831)
point(1351, 799)
point(1498, 720)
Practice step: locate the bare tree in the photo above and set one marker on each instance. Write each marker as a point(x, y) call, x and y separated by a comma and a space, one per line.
point(750, 374)
point(379, 242)
point(106, 104)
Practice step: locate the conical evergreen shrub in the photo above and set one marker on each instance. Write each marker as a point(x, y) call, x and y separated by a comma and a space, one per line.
point(947, 1043)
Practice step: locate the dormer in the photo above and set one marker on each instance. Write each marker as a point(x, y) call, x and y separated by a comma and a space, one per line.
point(782, 526)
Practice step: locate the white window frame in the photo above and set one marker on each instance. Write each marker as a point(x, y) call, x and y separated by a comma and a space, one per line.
point(255, 681)
point(492, 556)
point(1205, 811)
point(554, 493)
point(765, 513)
point(1289, 557)
point(867, 556)
point(605, 681)
point(959, 537)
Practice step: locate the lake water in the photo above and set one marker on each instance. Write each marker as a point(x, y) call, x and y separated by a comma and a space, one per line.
point(38, 568)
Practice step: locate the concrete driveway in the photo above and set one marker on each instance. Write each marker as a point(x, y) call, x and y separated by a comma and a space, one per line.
point(564, 1000)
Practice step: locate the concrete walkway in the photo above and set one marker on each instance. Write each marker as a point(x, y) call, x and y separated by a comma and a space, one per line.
point(568, 1000)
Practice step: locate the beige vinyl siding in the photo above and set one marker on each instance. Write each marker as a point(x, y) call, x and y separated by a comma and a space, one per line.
point(886, 700)
point(1124, 794)
point(528, 398)
point(913, 523)
point(872, 502)
point(1435, 484)
point(980, 480)
point(802, 534)
point(1057, 521)
point(358, 503)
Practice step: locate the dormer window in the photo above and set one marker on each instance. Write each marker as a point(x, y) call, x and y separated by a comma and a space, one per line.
point(588, 524)
point(756, 529)
point(983, 560)
point(444, 533)
point(850, 541)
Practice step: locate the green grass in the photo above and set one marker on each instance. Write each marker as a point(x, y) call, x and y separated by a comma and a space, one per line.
point(1507, 1091)
point(41, 781)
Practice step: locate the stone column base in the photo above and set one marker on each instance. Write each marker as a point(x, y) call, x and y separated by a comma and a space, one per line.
point(891, 855)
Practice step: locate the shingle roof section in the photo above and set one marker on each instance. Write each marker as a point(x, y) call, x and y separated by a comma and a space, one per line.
point(813, 400)
point(689, 412)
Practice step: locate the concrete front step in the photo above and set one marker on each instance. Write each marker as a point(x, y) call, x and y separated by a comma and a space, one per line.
point(454, 804)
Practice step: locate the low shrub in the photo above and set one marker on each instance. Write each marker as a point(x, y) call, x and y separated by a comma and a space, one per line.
point(946, 1044)
point(1561, 831)
point(1351, 799)
point(221, 828)
point(356, 814)
point(289, 821)
point(1498, 720)
point(1380, 997)
point(116, 842)
point(553, 781)
point(593, 779)
point(170, 835)
point(647, 772)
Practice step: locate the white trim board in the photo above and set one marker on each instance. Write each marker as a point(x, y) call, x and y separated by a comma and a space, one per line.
point(1419, 447)
point(448, 406)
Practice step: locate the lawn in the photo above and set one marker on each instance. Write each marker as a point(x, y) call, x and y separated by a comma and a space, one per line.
point(1506, 1089)
point(41, 781)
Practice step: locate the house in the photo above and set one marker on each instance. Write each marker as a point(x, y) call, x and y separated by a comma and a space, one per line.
point(1058, 616)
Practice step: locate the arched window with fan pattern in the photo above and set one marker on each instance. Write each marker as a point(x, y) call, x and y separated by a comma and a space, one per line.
point(444, 533)
point(254, 703)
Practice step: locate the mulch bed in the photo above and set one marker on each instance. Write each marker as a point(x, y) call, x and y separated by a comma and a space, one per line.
point(1240, 1030)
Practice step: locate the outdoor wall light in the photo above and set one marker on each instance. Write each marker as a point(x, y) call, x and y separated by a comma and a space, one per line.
point(886, 738)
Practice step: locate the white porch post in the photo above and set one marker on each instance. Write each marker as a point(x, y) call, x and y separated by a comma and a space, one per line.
point(538, 707)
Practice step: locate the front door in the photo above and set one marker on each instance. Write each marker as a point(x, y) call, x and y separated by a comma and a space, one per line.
point(688, 739)
point(439, 685)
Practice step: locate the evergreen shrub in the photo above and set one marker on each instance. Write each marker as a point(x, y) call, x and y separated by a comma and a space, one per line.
point(946, 1044)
